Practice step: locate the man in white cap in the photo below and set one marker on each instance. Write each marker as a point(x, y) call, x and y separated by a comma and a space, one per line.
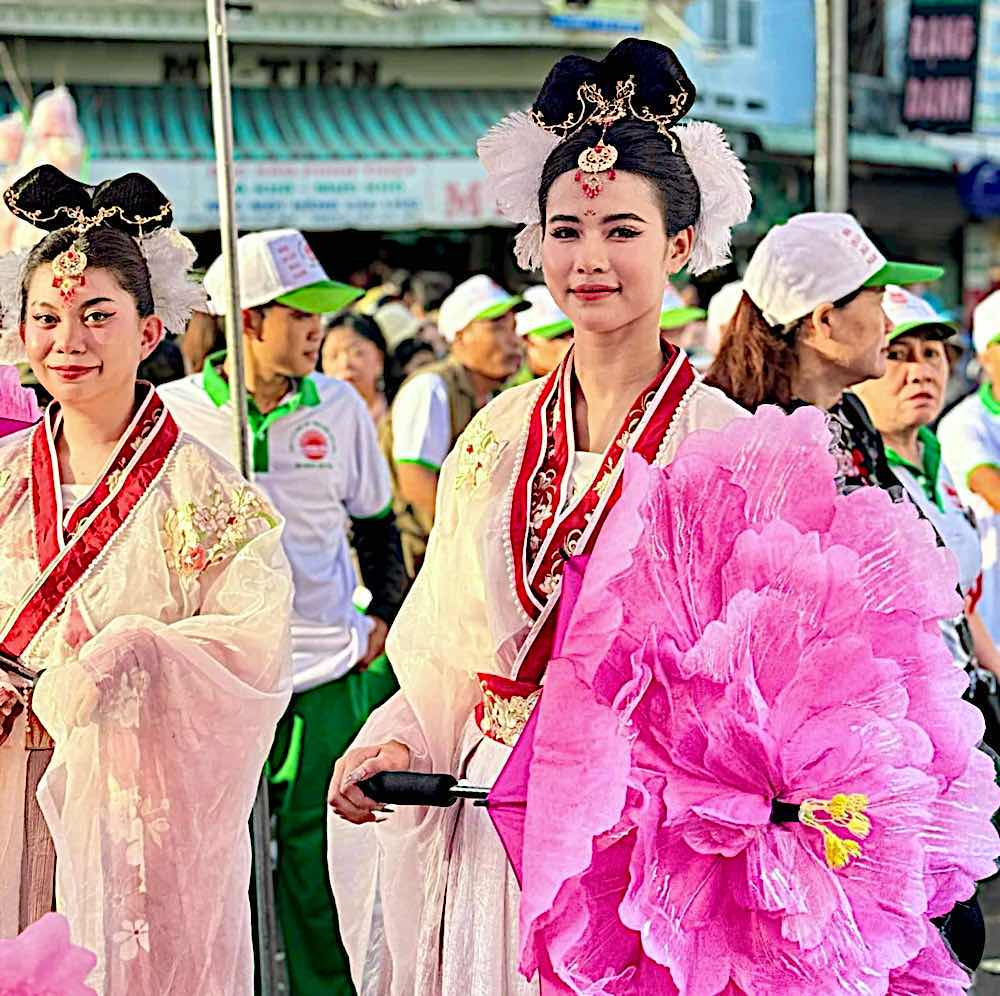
point(546, 332)
point(970, 442)
point(436, 404)
point(316, 455)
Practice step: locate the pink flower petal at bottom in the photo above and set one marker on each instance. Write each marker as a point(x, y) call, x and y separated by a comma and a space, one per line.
point(741, 636)
point(41, 961)
point(18, 404)
point(934, 971)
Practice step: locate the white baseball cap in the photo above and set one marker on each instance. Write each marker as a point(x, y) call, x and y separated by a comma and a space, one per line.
point(674, 312)
point(396, 323)
point(816, 257)
point(279, 266)
point(478, 297)
point(986, 322)
point(722, 307)
point(543, 318)
point(907, 312)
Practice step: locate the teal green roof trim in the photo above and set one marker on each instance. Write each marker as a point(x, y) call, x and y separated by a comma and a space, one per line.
point(173, 121)
point(883, 150)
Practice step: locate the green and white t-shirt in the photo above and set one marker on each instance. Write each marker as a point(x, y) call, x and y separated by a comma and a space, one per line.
point(932, 489)
point(970, 438)
point(421, 422)
point(317, 458)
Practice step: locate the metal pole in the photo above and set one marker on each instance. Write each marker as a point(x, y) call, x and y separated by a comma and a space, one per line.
point(840, 163)
point(831, 169)
point(222, 120)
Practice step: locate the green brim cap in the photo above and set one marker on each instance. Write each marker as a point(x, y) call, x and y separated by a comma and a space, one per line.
point(321, 297)
point(499, 308)
point(674, 318)
point(905, 273)
point(940, 330)
point(551, 331)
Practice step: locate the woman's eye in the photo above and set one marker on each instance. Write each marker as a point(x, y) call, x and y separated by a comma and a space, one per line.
point(46, 321)
point(624, 232)
point(563, 233)
point(98, 316)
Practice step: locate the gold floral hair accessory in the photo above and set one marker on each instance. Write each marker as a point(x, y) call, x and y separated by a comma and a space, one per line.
point(597, 109)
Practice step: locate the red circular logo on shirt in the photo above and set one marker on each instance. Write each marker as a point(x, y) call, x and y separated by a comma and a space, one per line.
point(314, 444)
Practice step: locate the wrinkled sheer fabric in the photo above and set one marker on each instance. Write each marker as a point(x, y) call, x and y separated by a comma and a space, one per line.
point(742, 635)
point(461, 617)
point(147, 796)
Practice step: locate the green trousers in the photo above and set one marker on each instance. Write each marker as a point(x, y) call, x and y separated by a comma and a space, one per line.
point(317, 728)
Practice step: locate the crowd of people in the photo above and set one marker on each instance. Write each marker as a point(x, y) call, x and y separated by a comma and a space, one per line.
point(707, 586)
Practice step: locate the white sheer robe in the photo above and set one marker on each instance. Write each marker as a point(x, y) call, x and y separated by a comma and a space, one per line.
point(425, 874)
point(177, 635)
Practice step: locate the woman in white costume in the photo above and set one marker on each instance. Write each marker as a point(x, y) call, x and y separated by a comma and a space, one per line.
point(144, 603)
point(616, 196)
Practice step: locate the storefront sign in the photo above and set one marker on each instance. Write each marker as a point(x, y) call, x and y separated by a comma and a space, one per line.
point(939, 92)
point(381, 194)
point(614, 16)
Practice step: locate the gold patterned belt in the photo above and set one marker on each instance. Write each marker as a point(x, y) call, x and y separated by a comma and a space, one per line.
point(506, 707)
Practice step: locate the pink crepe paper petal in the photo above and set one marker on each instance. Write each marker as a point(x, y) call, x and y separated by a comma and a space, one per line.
point(17, 404)
point(933, 971)
point(742, 634)
point(41, 961)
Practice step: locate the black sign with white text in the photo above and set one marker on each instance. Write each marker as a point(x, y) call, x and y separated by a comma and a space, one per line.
point(942, 49)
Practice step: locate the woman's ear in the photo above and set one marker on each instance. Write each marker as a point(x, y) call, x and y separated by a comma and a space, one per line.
point(819, 323)
point(151, 333)
point(679, 248)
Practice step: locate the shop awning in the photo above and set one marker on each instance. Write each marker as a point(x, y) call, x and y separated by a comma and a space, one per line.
point(880, 150)
point(310, 122)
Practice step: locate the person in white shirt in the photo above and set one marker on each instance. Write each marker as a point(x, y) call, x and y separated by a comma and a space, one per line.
point(970, 441)
point(434, 406)
point(316, 456)
point(903, 403)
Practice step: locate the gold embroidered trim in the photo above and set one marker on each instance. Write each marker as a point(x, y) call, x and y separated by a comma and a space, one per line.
point(504, 719)
point(478, 450)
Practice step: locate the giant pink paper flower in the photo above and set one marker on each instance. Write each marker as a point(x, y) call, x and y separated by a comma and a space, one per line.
point(745, 637)
point(41, 961)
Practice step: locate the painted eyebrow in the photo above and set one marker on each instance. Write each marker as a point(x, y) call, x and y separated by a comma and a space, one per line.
point(97, 300)
point(607, 219)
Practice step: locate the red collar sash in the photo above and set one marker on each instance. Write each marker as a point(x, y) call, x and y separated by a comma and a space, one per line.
point(66, 545)
point(548, 524)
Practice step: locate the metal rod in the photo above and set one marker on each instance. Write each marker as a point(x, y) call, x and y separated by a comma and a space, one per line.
point(831, 169)
point(222, 121)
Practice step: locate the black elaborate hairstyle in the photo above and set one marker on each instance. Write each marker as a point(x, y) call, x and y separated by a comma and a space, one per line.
point(103, 221)
point(644, 90)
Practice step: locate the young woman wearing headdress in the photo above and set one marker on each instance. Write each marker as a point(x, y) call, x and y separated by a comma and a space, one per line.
point(623, 534)
point(144, 603)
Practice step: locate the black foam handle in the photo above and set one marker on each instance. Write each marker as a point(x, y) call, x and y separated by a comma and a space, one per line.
point(409, 788)
point(784, 812)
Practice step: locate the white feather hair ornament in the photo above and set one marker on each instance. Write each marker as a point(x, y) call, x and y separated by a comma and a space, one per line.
point(169, 256)
point(513, 153)
point(723, 188)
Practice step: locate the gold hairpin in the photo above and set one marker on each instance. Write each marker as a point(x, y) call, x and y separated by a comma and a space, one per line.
point(69, 266)
point(595, 108)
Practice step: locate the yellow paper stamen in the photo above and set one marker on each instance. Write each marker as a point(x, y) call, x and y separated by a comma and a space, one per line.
point(844, 811)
